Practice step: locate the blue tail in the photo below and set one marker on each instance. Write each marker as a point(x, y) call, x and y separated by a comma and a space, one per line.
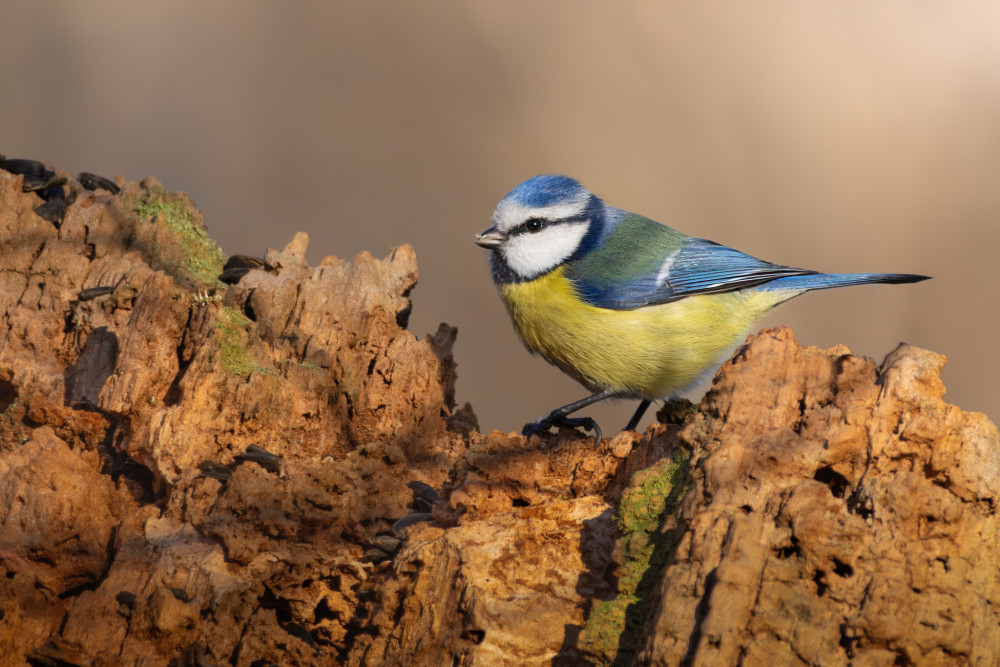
point(827, 280)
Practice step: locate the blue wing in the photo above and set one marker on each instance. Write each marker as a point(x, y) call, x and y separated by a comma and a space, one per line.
point(642, 262)
point(705, 267)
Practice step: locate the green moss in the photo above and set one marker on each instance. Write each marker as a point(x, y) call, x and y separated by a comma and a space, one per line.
point(613, 626)
point(186, 251)
point(234, 355)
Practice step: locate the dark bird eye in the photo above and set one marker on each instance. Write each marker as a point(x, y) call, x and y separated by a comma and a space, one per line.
point(534, 225)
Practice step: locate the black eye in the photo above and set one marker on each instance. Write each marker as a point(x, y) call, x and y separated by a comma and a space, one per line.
point(534, 225)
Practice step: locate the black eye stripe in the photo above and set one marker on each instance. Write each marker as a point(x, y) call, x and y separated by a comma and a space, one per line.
point(535, 225)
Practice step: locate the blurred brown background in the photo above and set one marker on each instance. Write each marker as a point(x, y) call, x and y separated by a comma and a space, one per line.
point(835, 136)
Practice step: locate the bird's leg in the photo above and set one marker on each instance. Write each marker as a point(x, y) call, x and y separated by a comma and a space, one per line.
point(558, 417)
point(639, 412)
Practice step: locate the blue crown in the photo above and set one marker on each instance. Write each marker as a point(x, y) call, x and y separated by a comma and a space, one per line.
point(546, 190)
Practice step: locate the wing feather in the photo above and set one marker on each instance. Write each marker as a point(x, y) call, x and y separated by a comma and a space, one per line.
point(642, 263)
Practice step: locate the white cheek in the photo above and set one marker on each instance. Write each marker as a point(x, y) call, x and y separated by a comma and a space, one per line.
point(532, 254)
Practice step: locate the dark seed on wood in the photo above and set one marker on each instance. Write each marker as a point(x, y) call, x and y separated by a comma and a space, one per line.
point(53, 188)
point(423, 491)
point(22, 166)
point(46, 181)
point(386, 543)
point(243, 262)
point(257, 449)
point(215, 471)
point(55, 191)
point(238, 266)
point(54, 211)
point(399, 528)
point(95, 182)
point(233, 276)
point(94, 292)
point(262, 457)
point(374, 556)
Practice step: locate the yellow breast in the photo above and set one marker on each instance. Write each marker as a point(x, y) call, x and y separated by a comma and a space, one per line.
point(651, 352)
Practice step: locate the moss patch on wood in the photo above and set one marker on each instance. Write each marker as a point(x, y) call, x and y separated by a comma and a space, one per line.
point(614, 626)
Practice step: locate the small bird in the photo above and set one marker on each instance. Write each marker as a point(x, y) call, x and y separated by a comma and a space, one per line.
point(628, 307)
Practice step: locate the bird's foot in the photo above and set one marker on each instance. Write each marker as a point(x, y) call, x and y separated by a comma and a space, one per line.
point(555, 419)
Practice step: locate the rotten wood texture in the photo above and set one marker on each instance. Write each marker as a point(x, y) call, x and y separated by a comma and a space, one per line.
point(200, 473)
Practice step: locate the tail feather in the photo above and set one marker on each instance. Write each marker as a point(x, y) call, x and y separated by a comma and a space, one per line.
point(828, 280)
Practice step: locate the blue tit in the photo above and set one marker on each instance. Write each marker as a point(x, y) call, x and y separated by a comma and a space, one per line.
point(628, 307)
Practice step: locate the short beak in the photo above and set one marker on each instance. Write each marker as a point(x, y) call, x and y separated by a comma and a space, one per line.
point(491, 238)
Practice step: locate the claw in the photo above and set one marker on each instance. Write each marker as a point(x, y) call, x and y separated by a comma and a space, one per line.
point(536, 428)
point(554, 419)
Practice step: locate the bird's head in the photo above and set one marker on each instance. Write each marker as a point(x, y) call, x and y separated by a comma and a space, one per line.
point(539, 225)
